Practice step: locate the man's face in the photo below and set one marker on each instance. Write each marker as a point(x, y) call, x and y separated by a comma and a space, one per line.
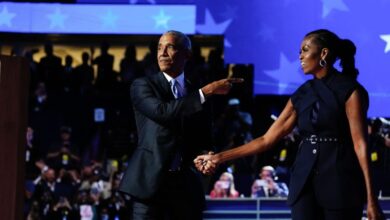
point(50, 175)
point(265, 174)
point(171, 56)
point(65, 136)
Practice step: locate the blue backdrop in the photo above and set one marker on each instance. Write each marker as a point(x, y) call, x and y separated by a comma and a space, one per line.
point(265, 33)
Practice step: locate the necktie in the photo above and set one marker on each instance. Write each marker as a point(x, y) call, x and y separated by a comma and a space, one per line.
point(176, 89)
point(177, 92)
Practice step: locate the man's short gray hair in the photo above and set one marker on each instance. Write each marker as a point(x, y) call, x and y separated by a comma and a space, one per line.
point(183, 39)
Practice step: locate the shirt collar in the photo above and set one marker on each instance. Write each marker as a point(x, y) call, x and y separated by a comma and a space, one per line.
point(179, 79)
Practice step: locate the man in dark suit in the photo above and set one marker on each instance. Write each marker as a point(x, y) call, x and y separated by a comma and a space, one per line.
point(173, 126)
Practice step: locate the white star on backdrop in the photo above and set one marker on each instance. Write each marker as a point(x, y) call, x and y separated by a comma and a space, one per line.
point(329, 5)
point(109, 19)
point(57, 19)
point(211, 27)
point(6, 17)
point(386, 38)
point(227, 43)
point(287, 79)
point(161, 20)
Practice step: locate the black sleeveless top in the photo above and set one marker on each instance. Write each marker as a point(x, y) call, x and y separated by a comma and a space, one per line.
point(338, 178)
point(331, 92)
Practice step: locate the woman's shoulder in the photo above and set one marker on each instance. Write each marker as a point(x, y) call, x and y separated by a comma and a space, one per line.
point(345, 86)
point(301, 91)
point(341, 80)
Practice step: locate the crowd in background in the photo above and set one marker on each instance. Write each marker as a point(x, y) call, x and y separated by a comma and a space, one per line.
point(81, 131)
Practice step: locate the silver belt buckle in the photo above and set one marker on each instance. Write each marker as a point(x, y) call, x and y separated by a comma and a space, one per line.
point(313, 139)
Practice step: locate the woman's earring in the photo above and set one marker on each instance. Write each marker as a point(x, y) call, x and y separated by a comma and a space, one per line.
point(323, 63)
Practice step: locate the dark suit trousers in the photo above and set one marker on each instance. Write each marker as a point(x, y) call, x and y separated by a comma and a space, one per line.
point(307, 208)
point(178, 199)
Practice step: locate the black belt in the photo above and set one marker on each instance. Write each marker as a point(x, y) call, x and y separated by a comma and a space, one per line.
point(313, 139)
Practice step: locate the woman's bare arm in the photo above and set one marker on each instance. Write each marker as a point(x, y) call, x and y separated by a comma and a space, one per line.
point(280, 128)
point(357, 121)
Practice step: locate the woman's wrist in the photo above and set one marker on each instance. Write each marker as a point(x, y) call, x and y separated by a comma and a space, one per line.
point(217, 158)
point(371, 200)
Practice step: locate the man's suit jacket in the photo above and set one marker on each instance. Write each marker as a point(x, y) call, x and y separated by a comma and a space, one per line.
point(165, 126)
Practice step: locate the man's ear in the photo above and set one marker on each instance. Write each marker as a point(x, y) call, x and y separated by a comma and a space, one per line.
point(324, 53)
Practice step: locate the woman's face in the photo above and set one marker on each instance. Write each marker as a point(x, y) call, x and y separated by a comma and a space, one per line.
point(310, 56)
point(225, 177)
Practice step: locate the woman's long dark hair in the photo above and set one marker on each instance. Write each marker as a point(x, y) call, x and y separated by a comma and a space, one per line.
point(342, 49)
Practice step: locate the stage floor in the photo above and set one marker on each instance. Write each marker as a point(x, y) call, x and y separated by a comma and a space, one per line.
point(261, 208)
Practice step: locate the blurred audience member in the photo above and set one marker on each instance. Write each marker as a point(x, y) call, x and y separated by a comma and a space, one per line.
point(63, 155)
point(130, 68)
point(379, 154)
point(34, 75)
point(43, 117)
point(149, 62)
point(86, 74)
point(64, 210)
point(267, 186)
point(63, 159)
point(90, 174)
point(224, 187)
point(105, 74)
point(71, 80)
point(196, 68)
point(65, 140)
point(45, 192)
point(68, 183)
point(34, 212)
point(29, 188)
point(50, 68)
point(32, 156)
point(86, 206)
point(39, 98)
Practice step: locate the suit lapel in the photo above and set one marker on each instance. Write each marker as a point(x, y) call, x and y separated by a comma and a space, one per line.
point(190, 87)
point(164, 86)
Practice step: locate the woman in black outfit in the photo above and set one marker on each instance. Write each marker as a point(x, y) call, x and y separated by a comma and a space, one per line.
point(330, 178)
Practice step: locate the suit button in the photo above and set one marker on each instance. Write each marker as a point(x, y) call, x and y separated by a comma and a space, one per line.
point(314, 151)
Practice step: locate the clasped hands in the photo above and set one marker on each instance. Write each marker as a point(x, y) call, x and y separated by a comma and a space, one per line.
point(206, 163)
